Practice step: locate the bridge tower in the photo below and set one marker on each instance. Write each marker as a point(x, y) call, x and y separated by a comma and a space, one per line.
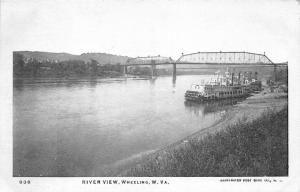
point(153, 68)
point(275, 73)
point(174, 72)
point(125, 69)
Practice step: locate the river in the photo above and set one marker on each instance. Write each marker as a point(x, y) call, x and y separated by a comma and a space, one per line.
point(80, 128)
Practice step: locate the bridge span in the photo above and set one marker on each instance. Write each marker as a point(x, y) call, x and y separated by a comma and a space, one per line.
point(206, 60)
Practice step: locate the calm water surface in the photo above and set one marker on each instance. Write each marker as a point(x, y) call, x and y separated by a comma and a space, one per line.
point(81, 128)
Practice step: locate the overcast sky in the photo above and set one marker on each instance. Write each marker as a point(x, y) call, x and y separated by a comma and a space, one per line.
point(142, 28)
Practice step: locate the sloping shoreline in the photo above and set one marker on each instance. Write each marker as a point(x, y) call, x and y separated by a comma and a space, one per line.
point(247, 111)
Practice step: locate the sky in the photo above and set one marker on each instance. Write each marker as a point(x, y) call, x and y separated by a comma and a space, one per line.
point(142, 28)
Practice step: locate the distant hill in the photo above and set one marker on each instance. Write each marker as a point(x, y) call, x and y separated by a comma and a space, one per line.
point(102, 58)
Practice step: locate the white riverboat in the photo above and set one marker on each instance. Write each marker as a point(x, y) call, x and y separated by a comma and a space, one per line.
point(222, 87)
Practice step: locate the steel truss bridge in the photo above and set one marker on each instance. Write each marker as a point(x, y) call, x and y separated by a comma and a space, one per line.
point(207, 60)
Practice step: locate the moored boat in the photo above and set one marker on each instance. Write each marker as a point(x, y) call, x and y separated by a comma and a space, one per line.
point(221, 87)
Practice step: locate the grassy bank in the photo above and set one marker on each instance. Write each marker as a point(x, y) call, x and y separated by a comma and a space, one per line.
point(255, 148)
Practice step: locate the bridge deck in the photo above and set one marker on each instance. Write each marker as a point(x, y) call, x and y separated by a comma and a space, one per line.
point(215, 64)
point(207, 58)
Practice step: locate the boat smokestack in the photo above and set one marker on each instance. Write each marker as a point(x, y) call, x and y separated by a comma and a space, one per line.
point(232, 75)
point(255, 75)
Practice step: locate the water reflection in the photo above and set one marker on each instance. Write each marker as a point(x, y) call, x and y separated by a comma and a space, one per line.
point(204, 108)
point(78, 128)
point(152, 81)
point(174, 82)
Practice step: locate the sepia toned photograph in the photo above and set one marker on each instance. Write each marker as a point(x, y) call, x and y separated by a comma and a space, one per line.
point(151, 88)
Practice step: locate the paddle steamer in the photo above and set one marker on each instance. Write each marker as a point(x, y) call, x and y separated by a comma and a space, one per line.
point(222, 87)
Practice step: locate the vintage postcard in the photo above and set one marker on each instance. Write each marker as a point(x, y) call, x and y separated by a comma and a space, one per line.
point(150, 95)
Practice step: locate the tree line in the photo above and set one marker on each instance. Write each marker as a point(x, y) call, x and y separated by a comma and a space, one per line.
point(34, 68)
point(24, 67)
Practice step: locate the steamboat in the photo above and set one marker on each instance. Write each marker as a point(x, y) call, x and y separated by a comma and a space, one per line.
point(223, 87)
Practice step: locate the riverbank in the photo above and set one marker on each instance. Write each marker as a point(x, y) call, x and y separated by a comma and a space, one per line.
point(250, 140)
